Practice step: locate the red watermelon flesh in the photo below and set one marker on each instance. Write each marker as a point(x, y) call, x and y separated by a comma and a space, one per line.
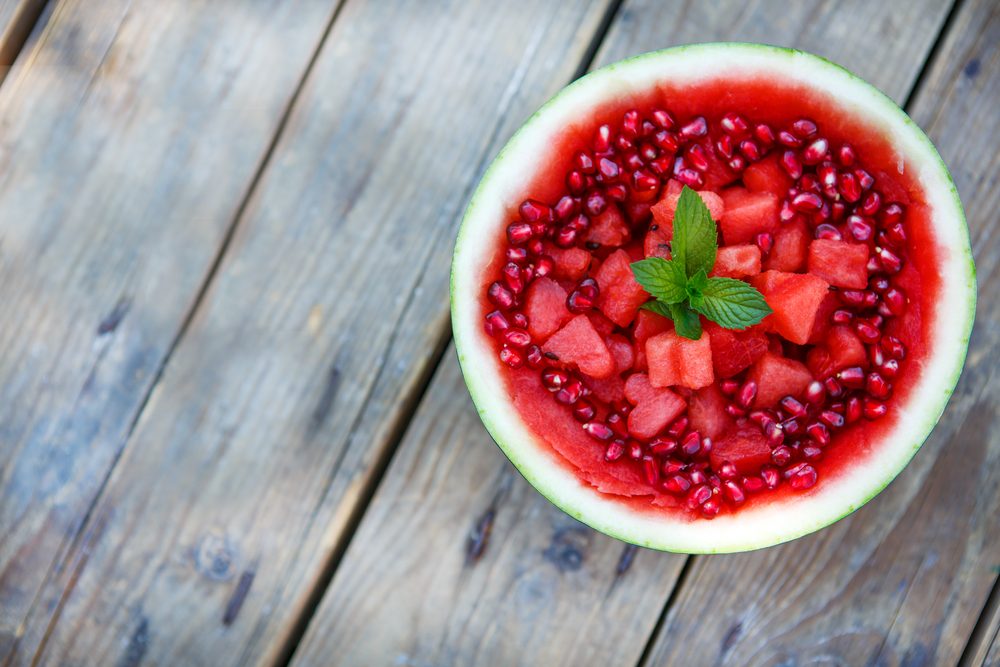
point(623, 352)
point(737, 261)
point(734, 351)
point(767, 176)
point(663, 210)
point(654, 408)
point(657, 242)
point(570, 263)
point(795, 299)
point(579, 344)
point(839, 263)
point(707, 412)
point(777, 377)
point(608, 228)
point(677, 361)
point(620, 295)
point(545, 307)
point(747, 214)
point(747, 449)
point(791, 245)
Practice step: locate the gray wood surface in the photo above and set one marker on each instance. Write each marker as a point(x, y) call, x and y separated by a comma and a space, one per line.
point(130, 133)
point(323, 322)
point(903, 581)
point(406, 590)
point(17, 17)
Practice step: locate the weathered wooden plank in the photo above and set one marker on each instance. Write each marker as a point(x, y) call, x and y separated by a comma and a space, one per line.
point(984, 644)
point(279, 402)
point(904, 579)
point(17, 17)
point(406, 590)
point(130, 133)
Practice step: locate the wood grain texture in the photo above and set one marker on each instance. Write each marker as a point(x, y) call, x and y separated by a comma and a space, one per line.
point(903, 581)
point(17, 17)
point(404, 591)
point(129, 135)
point(280, 400)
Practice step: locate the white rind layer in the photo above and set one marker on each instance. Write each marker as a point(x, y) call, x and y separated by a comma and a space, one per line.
point(752, 527)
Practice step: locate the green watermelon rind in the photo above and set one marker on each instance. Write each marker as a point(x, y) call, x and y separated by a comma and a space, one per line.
point(660, 532)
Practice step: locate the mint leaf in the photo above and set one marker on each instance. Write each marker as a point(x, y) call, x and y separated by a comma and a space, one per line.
point(695, 239)
point(662, 278)
point(686, 321)
point(695, 285)
point(658, 307)
point(731, 303)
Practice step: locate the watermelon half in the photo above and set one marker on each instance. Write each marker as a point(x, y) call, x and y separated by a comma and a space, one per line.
point(595, 400)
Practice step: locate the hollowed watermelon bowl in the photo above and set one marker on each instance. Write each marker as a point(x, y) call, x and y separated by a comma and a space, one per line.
point(829, 200)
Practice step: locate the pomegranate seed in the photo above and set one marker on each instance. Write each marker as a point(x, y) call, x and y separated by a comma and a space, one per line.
point(827, 174)
point(788, 139)
point(617, 192)
point(648, 152)
point(895, 300)
point(512, 276)
point(633, 162)
point(891, 214)
point(781, 455)
point(630, 124)
point(517, 338)
point(696, 128)
point(831, 418)
point(688, 177)
point(565, 207)
point(792, 406)
point(811, 453)
point(765, 242)
point(698, 476)
point(816, 151)
point(598, 430)
point(770, 476)
point(733, 492)
point(555, 379)
point(624, 144)
point(841, 316)
point(846, 155)
point(865, 180)
point(699, 496)
point(577, 302)
point(877, 386)
point(804, 128)
point(544, 266)
point(725, 145)
point(589, 288)
point(871, 204)
point(566, 237)
point(838, 211)
point(737, 163)
point(595, 203)
point(804, 478)
point(852, 411)
point(873, 265)
point(614, 451)
point(733, 123)
point(585, 163)
point(662, 446)
point(711, 508)
point(617, 424)
point(894, 347)
point(678, 427)
point(775, 434)
point(853, 377)
point(570, 394)
point(634, 450)
point(608, 168)
point(697, 157)
point(828, 232)
point(790, 426)
point(876, 355)
point(727, 470)
point(677, 484)
point(750, 149)
point(534, 356)
point(518, 233)
point(859, 228)
point(808, 183)
point(663, 119)
point(889, 260)
point(866, 332)
point(583, 411)
point(534, 211)
point(807, 202)
point(602, 139)
point(849, 188)
point(819, 432)
point(791, 164)
point(576, 182)
point(762, 418)
point(735, 411)
point(496, 322)
point(652, 470)
point(643, 181)
point(691, 444)
point(852, 297)
point(879, 284)
point(647, 128)
point(787, 214)
point(764, 134)
point(752, 484)
point(500, 295)
point(890, 368)
point(874, 409)
point(815, 392)
point(747, 393)
point(729, 387)
point(511, 358)
point(895, 235)
point(661, 166)
point(517, 254)
point(666, 141)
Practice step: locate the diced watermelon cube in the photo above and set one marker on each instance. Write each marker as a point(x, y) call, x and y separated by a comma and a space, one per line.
point(737, 261)
point(657, 242)
point(791, 245)
point(654, 408)
point(606, 390)
point(707, 412)
point(747, 449)
point(673, 187)
point(677, 361)
point(663, 210)
point(603, 325)
point(620, 295)
point(647, 325)
point(822, 323)
point(608, 228)
point(846, 349)
point(545, 307)
point(777, 377)
point(747, 214)
point(622, 351)
point(570, 263)
point(718, 174)
point(839, 263)
point(732, 351)
point(767, 176)
point(795, 299)
point(579, 344)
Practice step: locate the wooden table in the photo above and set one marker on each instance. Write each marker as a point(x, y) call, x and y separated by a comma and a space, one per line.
point(232, 427)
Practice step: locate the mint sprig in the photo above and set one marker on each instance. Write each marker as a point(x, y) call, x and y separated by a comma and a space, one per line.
point(681, 287)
